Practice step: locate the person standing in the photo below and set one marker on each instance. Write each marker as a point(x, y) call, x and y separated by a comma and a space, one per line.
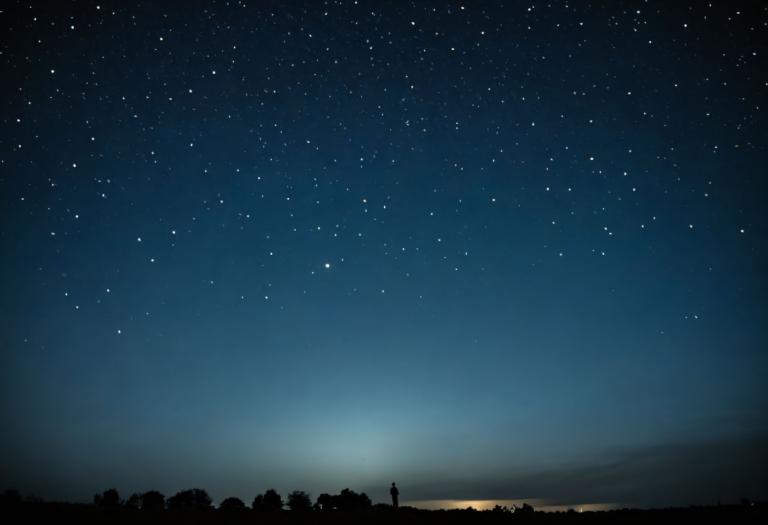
point(394, 493)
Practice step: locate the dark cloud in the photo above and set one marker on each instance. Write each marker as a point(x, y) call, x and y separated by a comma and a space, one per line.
point(665, 475)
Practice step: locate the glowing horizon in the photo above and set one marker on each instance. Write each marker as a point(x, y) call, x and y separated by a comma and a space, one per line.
point(488, 504)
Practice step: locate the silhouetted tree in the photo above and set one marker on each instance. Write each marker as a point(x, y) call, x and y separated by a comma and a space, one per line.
point(299, 501)
point(351, 500)
point(348, 500)
point(192, 499)
point(134, 501)
point(110, 498)
point(270, 501)
point(153, 501)
point(273, 502)
point(232, 505)
point(324, 502)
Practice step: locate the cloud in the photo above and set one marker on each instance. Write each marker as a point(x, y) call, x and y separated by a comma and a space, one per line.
point(673, 474)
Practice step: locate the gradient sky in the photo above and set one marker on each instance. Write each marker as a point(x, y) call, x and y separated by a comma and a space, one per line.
point(487, 250)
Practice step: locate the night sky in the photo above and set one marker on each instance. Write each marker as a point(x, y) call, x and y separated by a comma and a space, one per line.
point(485, 250)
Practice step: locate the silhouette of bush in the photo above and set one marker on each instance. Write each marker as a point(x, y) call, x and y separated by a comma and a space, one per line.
point(270, 501)
point(110, 498)
point(324, 503)
point(152, 501)
point(232, 505)
point(347, 501)
point(134, 501)
point(188, 500)
point(351, 500)
point(299, 501)
point(525, 509)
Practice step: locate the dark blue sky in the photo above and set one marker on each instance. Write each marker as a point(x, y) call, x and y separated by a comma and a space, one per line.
point(490, 251)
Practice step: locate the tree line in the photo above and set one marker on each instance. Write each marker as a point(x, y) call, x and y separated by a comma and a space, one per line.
point(270, 501)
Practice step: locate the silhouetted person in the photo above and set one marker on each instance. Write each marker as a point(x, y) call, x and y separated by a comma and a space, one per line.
point(395, 493)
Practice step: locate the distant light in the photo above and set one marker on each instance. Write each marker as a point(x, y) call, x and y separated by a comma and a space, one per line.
point(327, 265)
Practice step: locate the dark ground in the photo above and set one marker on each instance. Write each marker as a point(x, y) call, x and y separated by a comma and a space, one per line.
point(51, 513)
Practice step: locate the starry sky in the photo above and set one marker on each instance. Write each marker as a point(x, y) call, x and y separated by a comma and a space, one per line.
point(486, 250)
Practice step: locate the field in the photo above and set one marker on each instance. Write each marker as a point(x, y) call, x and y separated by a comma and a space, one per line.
point(54, 513)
